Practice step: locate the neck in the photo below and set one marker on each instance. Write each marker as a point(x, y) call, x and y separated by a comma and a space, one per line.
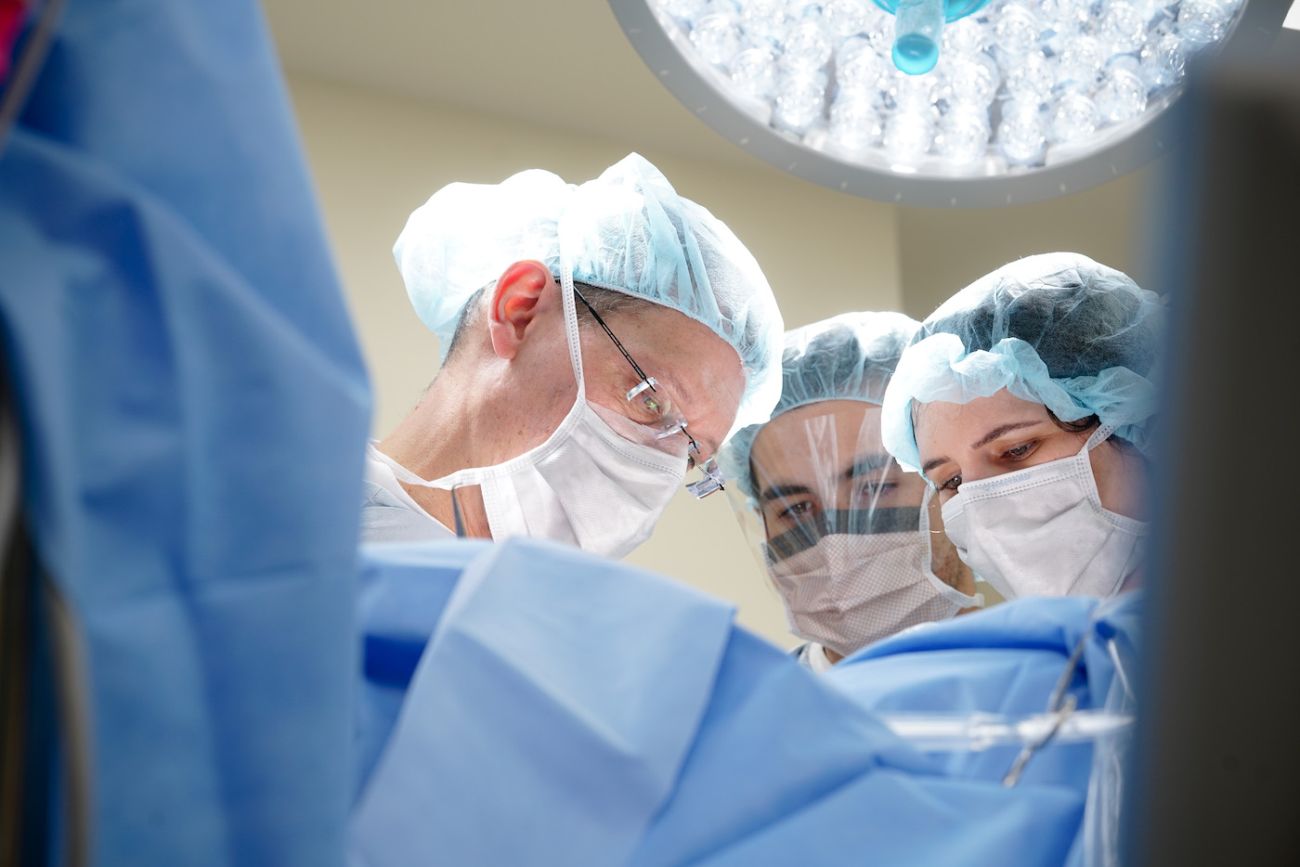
point(437, 439)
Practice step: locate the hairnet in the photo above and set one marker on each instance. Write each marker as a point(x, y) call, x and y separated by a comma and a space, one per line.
point(1057, 329)
point(846, 357)
point(627, 231)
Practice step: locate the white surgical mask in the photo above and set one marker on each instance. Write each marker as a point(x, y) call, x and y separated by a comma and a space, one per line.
point(587, 485)
point(1042, 531)
point(850, 589)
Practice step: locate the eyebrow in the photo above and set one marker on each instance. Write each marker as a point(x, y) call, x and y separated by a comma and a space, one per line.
point(931, 464)
point(708, 447)
point(777, 492)
point(861, 466)
point(685, 395)
point(1000, 430)
point(865, 464)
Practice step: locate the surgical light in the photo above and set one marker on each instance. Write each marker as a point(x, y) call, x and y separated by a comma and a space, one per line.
point(935, 102)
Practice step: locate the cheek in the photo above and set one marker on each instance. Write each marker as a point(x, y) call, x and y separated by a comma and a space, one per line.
point(533, 414)
point(909, 491)
point(603, 394)
point(546, 367)
point(1120, 482)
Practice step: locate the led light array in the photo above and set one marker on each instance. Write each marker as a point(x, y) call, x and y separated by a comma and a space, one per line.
point(1019, 85)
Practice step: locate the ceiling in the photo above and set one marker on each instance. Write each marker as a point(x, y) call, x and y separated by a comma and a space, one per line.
point(564, 64)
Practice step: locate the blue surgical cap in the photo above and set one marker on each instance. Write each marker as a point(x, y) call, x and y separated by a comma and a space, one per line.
point(847, 357)
point(1057, 329)
point(628, 230)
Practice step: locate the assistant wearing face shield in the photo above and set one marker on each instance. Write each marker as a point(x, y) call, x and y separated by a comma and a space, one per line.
point(598, 341)
point(843, 532)
point(1027, 400)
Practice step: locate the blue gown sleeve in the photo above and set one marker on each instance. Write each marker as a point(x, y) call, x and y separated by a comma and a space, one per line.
point(194, 411)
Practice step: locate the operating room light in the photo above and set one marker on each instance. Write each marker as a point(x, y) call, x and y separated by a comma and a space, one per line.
point(1013, 88)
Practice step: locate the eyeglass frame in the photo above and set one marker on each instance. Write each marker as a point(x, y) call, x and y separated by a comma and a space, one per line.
point(708, 467)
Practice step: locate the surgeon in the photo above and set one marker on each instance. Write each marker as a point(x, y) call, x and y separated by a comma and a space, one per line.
point(841, 526)
point(598, 341)
point(1027, 401)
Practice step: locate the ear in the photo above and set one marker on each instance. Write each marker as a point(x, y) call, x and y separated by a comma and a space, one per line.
point(516, 302)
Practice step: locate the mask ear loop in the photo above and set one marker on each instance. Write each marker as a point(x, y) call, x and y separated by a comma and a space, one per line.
point(570, 303)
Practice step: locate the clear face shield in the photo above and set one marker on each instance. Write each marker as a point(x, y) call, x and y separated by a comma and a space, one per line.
point(852, 543)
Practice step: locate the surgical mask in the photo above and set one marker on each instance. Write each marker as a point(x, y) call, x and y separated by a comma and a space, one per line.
point(600, 481)
point(849, 589)
point(1042, 531)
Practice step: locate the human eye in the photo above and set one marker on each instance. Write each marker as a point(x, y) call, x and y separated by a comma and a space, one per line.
point(649, 404)
point(795, 512)
point(872, 490)
point(649, 407)
point(1020, 452)
point(951, 484)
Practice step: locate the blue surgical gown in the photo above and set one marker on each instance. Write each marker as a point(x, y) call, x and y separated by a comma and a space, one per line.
point(529, 703)
point(193, 411)
point(1008, 661)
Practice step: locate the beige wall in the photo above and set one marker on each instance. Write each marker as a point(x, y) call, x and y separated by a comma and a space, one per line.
point(376, 157)
point(941, 251)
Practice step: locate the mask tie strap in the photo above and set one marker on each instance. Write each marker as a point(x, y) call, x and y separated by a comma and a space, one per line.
point(458, 523)
point(1099, 436)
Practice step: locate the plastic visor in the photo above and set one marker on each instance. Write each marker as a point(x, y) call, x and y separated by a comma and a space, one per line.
point(820, 470)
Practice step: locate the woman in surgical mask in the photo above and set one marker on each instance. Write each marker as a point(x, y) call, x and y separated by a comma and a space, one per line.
point(842, 530)
point(1027, 403)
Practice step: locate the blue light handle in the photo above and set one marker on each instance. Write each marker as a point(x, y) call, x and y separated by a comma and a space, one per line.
point(918, 29)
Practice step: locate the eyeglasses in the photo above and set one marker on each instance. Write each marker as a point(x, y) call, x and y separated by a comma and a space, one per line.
point(668, 422)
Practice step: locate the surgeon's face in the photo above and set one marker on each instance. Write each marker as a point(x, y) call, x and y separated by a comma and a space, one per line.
point(1001, 434)
point(698, 375)
point(524, 368)
point(827, 456)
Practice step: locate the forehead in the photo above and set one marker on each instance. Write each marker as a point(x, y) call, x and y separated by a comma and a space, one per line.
point(816, 439)
point(948, 429)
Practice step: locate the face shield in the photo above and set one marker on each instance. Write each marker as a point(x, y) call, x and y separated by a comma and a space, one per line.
point(851, 542)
